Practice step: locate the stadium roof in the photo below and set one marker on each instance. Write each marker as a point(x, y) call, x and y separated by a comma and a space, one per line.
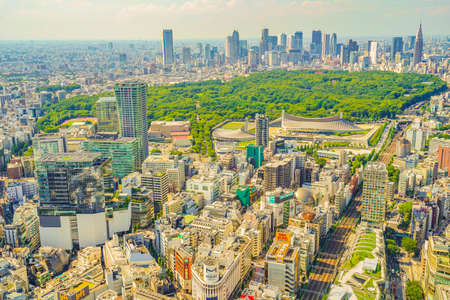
point(327, 124)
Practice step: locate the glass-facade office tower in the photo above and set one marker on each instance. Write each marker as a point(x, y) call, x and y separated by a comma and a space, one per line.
point(132, 105)
point(316, 43)
point(167, 47)
point(107, 120)
point(397, 46)
point(72, 181)
point(123, 152)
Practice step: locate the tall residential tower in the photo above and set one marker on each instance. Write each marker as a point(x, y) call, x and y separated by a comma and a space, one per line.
point(131, 101)
point(262, 130)
point(376, 191)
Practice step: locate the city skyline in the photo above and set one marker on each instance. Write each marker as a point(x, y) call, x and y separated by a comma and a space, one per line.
point(192, 19)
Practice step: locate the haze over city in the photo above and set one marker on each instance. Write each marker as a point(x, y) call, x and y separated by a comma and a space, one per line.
point(202, 19)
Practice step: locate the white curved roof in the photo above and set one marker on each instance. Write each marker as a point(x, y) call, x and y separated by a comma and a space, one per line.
point(332, 124)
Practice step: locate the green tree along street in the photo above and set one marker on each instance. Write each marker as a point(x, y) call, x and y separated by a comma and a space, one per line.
point(373, 141)
point(392, 247)
point(414, 291)
point(405, 211)
point(409, 244)
point(360, 96)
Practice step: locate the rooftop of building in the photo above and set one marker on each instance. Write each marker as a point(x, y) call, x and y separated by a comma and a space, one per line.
point(70, 156)
point(281, 251)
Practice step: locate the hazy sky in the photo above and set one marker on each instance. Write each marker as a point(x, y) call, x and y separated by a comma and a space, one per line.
point(144, 19)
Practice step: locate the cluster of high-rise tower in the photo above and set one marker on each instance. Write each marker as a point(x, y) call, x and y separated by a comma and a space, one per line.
point(273, 49)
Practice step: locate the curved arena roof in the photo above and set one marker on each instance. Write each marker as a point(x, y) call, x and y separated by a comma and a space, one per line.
point(328, 124)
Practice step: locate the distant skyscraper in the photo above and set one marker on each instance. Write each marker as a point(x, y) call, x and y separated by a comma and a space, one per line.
point(186, 55)
point(235, 47)
point(325, 45)
point(298, 37)
point(372, 51)
point(265, 34)
point(352, 45)
point(262, 130)
point(207, 51)
point(397, 46)
point(418, 46)
point(167, 47)
point(243, 48)
point(107, 119)
point(253, 57)
point(333, 45)
point(375, 193)
point(283, 41)
point(132, 104)
point(316, 44)
point(264, 43)
point(228, 45)
point(344, 54)
point(410, 42)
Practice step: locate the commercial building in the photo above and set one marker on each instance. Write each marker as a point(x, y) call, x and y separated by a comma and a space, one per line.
point(255, 155)
point(416, 137)
point(375, 193)
point(397, 46)
point(277, 174)
point(418, 46)
point(435, 265)
point(184, 258)
point(72, 209)
point(174, 167)
point(316, 43)
point(262, 130)
point(123, 152)
point(159, 184)
point(167, 47)
point(443, 157)
point(208, 186)
point(132, 105)
point(48, 143)
point(24, 231)
point(107, 115)
point(282, 263)
point(218, 272)
point(71, 179)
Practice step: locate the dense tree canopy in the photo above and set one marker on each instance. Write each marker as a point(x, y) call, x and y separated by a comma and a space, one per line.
point(414, 290)
point(362, 96)
point(54, 88)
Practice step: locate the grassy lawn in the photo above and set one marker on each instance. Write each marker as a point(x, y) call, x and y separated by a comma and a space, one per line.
point(364, 248)
point(359, 256)
point(233, 125)
point(365, 244)
point(367, 240)
point(369, 235)
point(363, 296)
